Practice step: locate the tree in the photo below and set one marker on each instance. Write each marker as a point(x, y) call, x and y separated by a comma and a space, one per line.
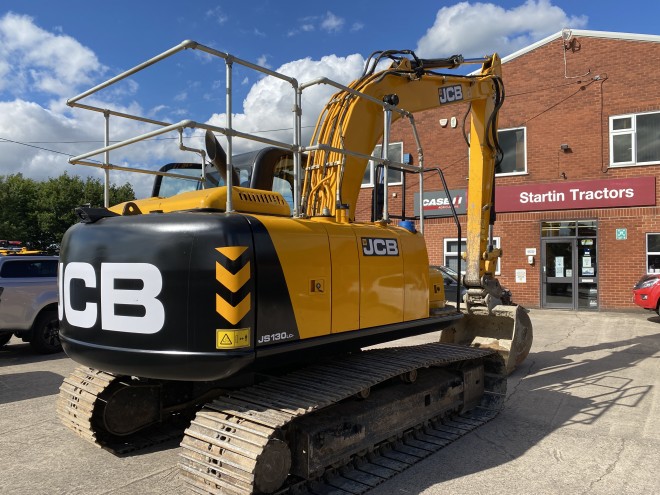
point(38, 213)
point(17, 195)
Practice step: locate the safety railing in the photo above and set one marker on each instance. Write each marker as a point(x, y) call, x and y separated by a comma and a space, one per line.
point(230, 133)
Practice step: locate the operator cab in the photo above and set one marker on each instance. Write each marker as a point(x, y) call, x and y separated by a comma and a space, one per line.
point(266, 169)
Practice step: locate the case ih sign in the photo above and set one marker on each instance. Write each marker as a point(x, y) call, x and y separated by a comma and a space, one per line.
point(609, 193)
point(436, 203)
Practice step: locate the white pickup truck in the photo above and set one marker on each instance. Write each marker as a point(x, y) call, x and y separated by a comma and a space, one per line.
point(28, 301)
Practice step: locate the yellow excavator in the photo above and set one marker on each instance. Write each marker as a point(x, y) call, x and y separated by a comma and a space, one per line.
point(242, 308)
point(8, 248)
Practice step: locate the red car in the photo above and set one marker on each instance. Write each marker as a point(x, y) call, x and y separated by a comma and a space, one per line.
point(646, 292)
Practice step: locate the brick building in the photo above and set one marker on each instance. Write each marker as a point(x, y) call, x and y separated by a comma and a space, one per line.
point(577, 197)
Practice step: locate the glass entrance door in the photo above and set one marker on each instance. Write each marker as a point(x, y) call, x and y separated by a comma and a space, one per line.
point(569, 264)
point(558, 287)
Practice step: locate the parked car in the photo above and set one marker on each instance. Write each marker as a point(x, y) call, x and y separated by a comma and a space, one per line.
point(646, 292)
point(451, 281)
point(28, 301)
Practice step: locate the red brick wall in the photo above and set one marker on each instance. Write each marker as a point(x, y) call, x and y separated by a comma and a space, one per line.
point(614, 77)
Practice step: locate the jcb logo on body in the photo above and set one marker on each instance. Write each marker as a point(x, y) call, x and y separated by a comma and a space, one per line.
point(86, 313)
point(374, 246)
point(449, 94)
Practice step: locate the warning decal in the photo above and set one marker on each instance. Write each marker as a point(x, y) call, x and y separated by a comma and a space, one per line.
point(232, 338)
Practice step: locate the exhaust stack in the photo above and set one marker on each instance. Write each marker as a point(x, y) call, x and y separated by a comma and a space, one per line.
point(218, 157)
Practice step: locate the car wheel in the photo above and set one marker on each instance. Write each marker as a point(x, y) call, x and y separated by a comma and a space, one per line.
point(4, 338)
point(46, 333)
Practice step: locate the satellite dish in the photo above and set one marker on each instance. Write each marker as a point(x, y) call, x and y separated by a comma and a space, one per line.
point(566, 34)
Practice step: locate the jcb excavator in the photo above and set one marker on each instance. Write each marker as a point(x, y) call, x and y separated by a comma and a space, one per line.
point(251, 311)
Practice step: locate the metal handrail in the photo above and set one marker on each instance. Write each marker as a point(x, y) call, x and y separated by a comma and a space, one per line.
point(354, 92)
point(229, 132)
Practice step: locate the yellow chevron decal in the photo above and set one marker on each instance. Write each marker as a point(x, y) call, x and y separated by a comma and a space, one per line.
point(233, 314)
point(233, 282)
point(229, 280)
point(232, 252)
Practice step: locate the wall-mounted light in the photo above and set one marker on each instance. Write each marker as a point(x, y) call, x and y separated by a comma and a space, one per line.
point(564, 147)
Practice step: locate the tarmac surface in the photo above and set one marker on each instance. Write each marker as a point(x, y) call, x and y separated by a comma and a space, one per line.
point(581, 417)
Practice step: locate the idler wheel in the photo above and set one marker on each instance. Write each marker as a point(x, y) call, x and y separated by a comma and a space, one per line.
point(273, 465)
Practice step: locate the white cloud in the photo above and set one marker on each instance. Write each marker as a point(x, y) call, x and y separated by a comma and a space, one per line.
point(479, 29)
point(263, 61)
point(357, 26)
point(332, 23)
point(44, 135)
point(218, 15)
point(34, 59)
point(329, 22)
point(82, 131)
point(267, 107)
point(37, 63)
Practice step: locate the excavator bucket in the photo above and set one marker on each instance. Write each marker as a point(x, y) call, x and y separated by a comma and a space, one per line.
point(507, 330)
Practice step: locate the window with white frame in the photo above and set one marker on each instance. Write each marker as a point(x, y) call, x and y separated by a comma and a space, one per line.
point(452, 254)
point(395, 177)
point(635, 139)
point(514, 147)
point(514, 151)
point(653, 253)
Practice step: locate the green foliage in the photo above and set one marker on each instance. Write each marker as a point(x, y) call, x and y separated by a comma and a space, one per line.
point(38, 213)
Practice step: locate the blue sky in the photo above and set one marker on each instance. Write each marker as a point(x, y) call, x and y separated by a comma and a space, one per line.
point(51, 51)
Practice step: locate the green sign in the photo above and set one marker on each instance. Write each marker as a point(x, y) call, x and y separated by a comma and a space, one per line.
point(621, 234)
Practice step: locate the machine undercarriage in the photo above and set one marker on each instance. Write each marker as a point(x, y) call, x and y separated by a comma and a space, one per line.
point(293, 431)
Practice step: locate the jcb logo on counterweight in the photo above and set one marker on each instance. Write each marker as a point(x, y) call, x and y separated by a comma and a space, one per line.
point(232, 280)
point(82, 310)
point(374, 246)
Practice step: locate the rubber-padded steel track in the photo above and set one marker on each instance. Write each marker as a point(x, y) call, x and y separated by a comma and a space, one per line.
point(222, 447)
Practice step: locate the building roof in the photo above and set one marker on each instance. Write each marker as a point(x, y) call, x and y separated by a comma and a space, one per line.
point(567, 33)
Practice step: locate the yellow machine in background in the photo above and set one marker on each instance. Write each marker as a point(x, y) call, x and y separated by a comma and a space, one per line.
point(14, 247)
point(255, 292)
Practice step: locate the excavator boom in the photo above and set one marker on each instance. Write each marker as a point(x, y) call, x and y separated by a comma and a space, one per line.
point(356, 123)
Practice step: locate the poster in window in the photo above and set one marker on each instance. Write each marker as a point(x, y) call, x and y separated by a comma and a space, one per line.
point(559, 266)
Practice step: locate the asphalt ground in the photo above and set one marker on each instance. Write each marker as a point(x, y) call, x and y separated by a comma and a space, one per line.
point(581, 417)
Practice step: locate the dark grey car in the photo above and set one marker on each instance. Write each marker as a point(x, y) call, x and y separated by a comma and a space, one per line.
point(451, 282)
